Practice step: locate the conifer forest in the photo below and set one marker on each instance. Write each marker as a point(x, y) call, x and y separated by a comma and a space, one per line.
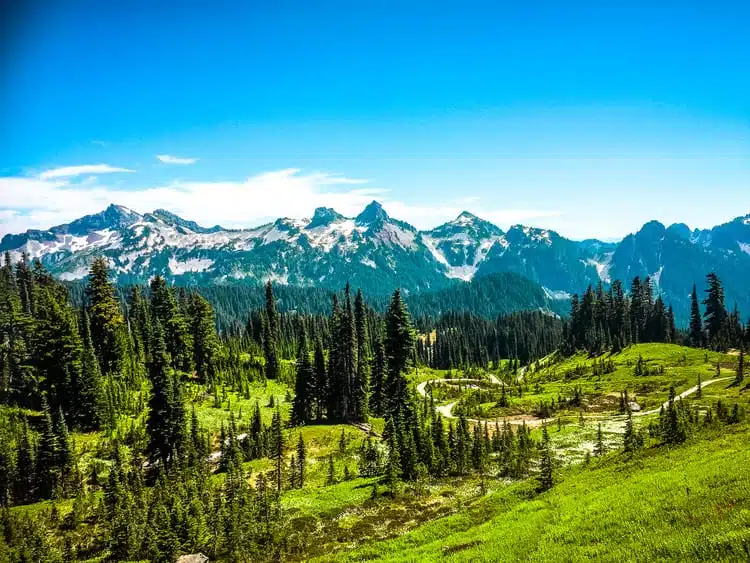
point(133, 430)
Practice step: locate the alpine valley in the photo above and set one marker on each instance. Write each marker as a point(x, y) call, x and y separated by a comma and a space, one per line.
point(377, 252)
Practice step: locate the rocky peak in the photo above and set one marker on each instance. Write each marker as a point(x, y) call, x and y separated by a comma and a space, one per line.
point(373, 213)
point(324, 216)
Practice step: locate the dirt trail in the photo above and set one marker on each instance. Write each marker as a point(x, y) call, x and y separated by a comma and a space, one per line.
point(447, 410)
point(614, 422)
point(683, 395)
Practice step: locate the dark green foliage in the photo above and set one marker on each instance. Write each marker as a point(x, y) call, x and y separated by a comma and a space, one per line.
point(321, 387)
point(599, 447)
point(466, 339)
point(107, 323)
point(696, 321)
point(166, 417)
point(47, 470)
point(609, 319)
point(740, 370)
point(331, 479)
point(177, 338)
point(271, 335)
point(90, 406)
point(277, 449)
point(545, 464)
point(672, 421)
point(715, 315)
point(304, 388)
point(378, 378)
point(361, 380)
point(203, 334)
point(301, 462)
point(399, 351)
point(602, 320)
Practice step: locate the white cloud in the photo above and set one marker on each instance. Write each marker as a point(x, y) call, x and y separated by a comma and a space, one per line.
point(70, 171)
point(169, 159)
point(42, 203)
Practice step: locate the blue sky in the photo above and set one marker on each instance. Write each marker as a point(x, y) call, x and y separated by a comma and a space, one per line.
point(585, 118)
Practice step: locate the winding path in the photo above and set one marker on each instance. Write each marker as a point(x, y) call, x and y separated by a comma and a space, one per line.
point(684, 394)
point(447, 410)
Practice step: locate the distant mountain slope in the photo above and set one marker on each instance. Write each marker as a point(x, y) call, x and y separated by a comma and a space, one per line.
point(377, 252)
point(489, 296)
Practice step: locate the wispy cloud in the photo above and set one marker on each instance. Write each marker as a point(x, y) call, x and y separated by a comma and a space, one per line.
point(43, 201)
point(70, 171)
point(169, 159)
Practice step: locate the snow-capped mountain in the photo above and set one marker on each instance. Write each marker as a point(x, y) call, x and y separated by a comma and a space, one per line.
point(462, 245)
point(378, 252)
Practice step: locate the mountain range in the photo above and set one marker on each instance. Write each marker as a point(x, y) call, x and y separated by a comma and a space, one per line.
point(377, 252)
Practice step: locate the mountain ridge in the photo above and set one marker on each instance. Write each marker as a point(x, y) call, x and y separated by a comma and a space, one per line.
point(379, 252)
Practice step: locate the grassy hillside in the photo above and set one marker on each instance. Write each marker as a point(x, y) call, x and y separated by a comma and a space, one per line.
point(666, 504)
point(677, 503)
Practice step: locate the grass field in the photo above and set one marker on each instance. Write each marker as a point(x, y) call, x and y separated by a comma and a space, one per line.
point(667, 504)
point(690, 502)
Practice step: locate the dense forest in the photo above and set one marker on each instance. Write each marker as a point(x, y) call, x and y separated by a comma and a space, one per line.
point(129, 367)
point(485, 296)
point(99, 359)
point(601, 320)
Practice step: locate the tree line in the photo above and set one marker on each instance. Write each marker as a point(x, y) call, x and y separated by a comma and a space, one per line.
point(613, 319)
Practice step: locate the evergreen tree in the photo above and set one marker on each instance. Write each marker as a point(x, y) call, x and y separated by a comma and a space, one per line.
point(89, 407)
point(361, 384)
point(321, 380)
point(302, 408)
point(716, 314)
point(399, 349)
point(599, 447)
point(393, 468)
point(740, 373)
point(331, 479)
point(25, 486)
point(301, 462)
point(673, 425)
point(107, 323)
point(205, 343)
point(270, 335)
point(696, 322)
point(140, 323)
point(47, 470)
point(64, 459)
point(545, 463)
point(176, 332)
point(165, 423)
point(631, 440)
point(278, 448)
point(379, 374)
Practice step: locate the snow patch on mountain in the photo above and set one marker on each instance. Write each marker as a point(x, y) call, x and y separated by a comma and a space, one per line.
point(538, 235)
point(72, 243)
point(744, 247)
point(339, 232)
point(276, 234)
point(602, 266)
point(129, 259)
point(556, 294)
point(77, 274)
point(281, 279)
point(656, 276)
point(178, 267)
point(368, 262)
point(465, 273)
